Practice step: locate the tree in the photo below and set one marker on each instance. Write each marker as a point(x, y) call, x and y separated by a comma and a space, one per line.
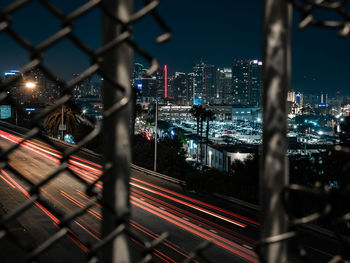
point(171, 158)
point(197, 112)
point(209, 116)
point(138, 110)
point(54, 120)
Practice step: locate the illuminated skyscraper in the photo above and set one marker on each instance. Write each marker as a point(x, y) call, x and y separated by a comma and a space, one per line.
point(190, 88)
point(209, 83)
point(223, 94)
point(246, 82)
point(198, 82)
point(204, 82)
point(179, 88)
point(138, 74)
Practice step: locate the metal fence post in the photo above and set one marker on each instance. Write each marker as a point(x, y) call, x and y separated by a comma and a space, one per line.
point(274, 163)
point(117, 65)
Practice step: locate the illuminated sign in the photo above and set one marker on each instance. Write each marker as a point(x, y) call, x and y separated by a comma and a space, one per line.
point(197, 102)
point(30, 109)
point(5, 112)
point(11, 73)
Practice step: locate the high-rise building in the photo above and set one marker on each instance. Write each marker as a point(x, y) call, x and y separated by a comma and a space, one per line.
point(138, 74)
point(178, 88)
point(209, 83)
point(294, 102)
point(190, 88)
point(246, 82)
point(152, 87)
point(149, 86)
point(255, 83)
point(291, 96)
point(139, 70)
point(311, 99)
point(223, 93)
point(323, 100)
point(299, 99)
point(204, 82)
point(198, 82)
point(85, 88)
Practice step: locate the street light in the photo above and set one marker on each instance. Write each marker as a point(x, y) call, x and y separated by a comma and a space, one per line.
point(30, 85)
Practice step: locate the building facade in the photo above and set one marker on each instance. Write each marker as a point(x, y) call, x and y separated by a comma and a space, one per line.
point(246, 82)
point(223, 86)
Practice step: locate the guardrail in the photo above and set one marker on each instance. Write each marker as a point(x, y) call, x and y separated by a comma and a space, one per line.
point(159, 175)
point(238, 202)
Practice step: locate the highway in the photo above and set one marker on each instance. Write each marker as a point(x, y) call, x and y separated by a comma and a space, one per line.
point(155, 209)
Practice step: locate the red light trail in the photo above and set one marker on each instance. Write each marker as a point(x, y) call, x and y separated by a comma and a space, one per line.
point(205, 234)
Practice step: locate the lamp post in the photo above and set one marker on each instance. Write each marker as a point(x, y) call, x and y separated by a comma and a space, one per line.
point(155, 137)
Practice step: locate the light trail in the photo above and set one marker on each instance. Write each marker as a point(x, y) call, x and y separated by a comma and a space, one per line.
point(165, 242)
point(195, 218)
point(70, 211)
point(80, 204)
point(159, 256)
point(88, 162)
point(48, 213)
point(197, 201)
point(205, 234)
point(190, 205)
point(57, 221)
point(134, 224)
point(8, 182)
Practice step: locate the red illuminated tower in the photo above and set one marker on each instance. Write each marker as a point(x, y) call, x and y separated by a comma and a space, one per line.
point(165, 81)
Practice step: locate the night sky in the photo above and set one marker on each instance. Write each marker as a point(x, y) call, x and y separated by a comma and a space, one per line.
point(217, 31)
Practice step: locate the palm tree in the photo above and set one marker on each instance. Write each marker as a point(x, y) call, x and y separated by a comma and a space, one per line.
point(54, 120)
point(209, 116)
point(197, 112)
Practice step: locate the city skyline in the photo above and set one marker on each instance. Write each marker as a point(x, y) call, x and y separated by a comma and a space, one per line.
point(226, 33)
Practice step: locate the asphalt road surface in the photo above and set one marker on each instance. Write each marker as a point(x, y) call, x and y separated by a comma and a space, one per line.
point(157, 207)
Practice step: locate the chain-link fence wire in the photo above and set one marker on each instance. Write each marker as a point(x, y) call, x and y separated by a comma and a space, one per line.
point(329, 207)
point(124, 37)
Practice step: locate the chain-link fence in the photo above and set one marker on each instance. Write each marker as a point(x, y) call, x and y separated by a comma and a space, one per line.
point(113, 61)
